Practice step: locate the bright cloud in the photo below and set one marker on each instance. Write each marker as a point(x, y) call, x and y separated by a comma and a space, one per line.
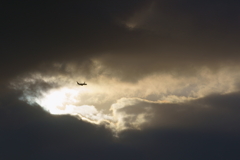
point(108, 100)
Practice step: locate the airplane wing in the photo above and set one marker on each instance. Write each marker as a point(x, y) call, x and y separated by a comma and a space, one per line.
point(81, 84)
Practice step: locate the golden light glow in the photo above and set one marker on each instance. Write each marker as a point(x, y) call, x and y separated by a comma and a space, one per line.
point(57, 101)
point(102, 99)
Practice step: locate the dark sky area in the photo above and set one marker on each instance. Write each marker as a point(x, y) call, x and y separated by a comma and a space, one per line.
point(167, 70)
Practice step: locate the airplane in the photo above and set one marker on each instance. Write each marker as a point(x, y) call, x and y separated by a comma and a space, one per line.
point(81, 84)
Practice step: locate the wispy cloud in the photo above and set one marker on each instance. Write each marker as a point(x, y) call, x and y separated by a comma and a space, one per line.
point(123, 105)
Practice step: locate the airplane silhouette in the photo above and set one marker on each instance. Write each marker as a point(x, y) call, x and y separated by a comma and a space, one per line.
point(81, 84)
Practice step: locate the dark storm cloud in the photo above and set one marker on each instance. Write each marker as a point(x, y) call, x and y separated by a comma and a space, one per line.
point(36, 34)
point(199, 129)
point(176, 144)
point(30, 133)
point(173, 36)
point(176, 36)
point(211, 113)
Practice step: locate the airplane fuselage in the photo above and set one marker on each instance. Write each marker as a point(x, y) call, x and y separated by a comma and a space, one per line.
point(82, 84)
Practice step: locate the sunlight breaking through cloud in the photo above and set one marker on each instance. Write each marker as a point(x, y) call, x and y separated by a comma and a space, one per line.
point(103, 99)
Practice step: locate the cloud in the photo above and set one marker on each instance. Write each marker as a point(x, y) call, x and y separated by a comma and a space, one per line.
point(214, 112)
point(171, 81)
point(172, 99)
point(27, 128)
point(187, 41)
point(62, 137)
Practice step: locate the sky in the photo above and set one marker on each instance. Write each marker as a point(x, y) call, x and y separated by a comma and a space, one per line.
point(163, 79)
